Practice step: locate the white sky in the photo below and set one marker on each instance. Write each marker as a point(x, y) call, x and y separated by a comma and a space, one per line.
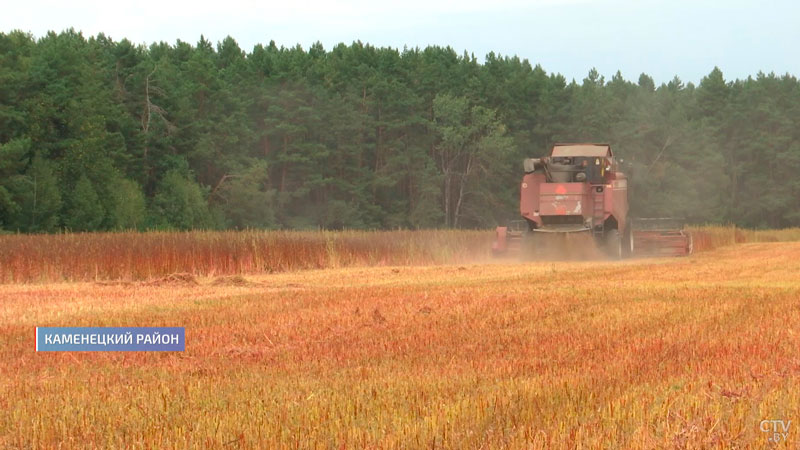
point(663, 38)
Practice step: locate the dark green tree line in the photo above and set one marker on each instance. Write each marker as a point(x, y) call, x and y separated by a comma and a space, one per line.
point(104, 135)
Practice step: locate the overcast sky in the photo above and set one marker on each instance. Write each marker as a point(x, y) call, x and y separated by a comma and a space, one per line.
point(662, 38)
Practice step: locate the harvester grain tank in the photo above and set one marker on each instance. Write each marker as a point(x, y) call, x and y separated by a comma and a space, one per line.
point(580, 189)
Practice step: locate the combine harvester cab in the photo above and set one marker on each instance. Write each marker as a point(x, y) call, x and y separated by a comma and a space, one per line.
point(579, 190)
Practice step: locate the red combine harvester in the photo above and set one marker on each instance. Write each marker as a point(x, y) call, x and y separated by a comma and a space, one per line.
point(579, 189)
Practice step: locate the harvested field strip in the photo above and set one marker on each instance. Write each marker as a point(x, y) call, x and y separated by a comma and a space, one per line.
point(682, 352)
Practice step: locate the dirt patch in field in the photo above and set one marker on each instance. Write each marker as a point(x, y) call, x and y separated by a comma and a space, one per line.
point(113, 283)
point(181, 279)
point(233, 280)
point(289, 286)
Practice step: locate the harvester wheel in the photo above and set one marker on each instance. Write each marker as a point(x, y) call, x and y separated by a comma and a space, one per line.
point(627, 243)
point(613, 244)
point(530, 247)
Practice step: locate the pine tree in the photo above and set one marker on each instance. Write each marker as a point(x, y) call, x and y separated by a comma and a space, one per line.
point(129, 211)
point(39, 197)
point(84, 211)
point(246, 198)
point(180, 203)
